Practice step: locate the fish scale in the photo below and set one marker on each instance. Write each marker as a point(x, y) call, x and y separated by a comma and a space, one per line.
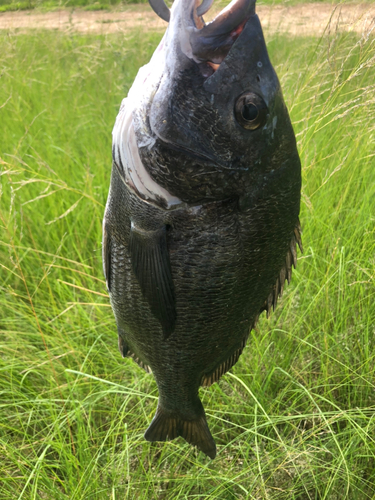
point(201, 223)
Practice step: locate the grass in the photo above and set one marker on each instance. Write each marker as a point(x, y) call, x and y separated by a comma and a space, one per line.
point(294, 419)
point(15, 5)
point(47, 5)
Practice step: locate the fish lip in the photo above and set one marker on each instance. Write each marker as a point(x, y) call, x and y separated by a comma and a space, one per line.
point(212, 42)
point(235, 13)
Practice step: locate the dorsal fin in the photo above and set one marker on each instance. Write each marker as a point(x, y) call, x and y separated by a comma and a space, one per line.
point(210, 378)
point(286, 270)
point(152, 268)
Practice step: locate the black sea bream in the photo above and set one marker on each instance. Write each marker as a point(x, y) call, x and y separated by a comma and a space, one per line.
point(201, 223)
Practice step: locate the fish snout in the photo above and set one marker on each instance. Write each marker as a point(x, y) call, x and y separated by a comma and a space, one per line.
point(200, 41)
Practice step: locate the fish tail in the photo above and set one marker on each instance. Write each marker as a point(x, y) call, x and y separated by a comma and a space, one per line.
point(166, 426)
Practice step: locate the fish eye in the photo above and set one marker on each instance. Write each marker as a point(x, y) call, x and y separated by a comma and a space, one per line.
point(250, 111)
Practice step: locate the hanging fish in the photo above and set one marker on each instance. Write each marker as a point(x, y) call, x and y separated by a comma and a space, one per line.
point(201, 222)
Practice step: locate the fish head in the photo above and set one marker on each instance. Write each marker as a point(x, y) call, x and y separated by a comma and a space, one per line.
point(211, 121)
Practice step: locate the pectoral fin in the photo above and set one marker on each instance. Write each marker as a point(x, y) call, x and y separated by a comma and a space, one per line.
point(151, 266)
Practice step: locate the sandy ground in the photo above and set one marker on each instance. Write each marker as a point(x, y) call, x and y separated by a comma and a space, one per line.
point(305, 19)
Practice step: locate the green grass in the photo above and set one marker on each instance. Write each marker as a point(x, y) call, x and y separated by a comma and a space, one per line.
point(295, 418)
point(15, 5)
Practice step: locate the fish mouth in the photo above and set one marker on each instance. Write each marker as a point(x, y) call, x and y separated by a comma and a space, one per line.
point(212, 42)
point(205, 43)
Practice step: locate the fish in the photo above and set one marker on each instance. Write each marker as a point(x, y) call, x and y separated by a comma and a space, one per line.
point(201, 224)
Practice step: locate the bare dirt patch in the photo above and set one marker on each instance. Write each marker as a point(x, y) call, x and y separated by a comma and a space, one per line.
point(303, 19)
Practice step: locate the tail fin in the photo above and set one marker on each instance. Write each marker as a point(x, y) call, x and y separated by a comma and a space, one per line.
point(196, 432)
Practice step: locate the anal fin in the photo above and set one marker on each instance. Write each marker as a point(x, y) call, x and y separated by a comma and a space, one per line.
point(106, 255)
point(151, 266)
point(127, 353)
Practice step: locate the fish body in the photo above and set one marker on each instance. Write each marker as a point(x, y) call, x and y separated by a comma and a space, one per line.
point(201, 223)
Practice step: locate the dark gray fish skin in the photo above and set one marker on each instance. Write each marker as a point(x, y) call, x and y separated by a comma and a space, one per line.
point(188, 278)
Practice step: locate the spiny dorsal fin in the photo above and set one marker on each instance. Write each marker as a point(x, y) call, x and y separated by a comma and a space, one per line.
point(152, 268)
point(286, 270)
point(297, 234)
